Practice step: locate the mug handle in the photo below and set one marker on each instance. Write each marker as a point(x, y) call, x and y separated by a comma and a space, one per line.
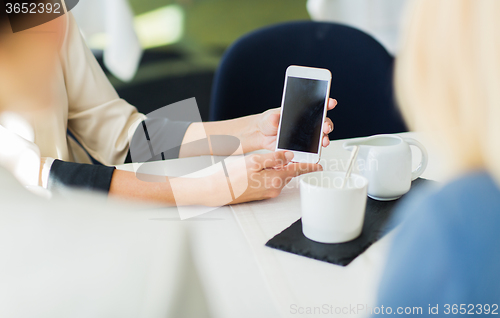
point(423, 163)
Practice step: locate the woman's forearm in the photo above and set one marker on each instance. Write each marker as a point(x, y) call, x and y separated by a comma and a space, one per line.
point(250, 178)
point(159, 189)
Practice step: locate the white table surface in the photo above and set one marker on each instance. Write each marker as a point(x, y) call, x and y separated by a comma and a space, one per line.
point(244, 278)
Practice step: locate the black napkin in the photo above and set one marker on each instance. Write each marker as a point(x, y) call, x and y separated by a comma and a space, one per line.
point(375, 226)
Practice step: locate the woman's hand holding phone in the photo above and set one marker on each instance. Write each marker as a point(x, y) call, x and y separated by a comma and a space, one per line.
point(267, 127)
point(267, 174)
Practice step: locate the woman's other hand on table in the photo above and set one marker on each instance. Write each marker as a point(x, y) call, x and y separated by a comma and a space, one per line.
point(264, 178)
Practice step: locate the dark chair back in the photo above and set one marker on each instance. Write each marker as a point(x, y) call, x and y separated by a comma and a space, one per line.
point(251, 75)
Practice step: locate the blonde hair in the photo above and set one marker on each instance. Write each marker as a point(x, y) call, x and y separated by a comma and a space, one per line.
point(448, 79)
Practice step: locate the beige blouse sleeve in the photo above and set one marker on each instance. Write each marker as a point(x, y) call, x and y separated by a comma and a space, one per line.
point(97, 116)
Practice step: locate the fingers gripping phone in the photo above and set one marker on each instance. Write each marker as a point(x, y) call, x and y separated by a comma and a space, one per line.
point(303, 112)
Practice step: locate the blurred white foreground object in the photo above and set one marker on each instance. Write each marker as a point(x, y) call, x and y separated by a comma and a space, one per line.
point(89, 258)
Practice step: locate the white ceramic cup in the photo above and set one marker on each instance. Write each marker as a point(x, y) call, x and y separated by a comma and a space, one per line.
point(331, 214)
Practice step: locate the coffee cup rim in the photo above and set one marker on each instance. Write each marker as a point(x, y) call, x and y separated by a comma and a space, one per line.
point(341, 175)
point(349, 144)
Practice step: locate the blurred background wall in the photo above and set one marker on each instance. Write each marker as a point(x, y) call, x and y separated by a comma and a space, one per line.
point(182, 41)
point(157, 52)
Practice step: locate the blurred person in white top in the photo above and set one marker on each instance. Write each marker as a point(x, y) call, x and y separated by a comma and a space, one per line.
point(82, 257)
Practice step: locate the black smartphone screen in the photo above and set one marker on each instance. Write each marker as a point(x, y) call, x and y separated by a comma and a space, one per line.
point(302, 114)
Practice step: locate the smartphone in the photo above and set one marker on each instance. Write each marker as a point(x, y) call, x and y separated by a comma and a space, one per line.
point(303, 112)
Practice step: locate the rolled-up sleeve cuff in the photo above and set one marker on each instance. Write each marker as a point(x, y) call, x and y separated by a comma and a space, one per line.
point(78, 175)
point(47, 165)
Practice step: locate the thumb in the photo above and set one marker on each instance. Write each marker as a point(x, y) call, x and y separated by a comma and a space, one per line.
point(270, 122)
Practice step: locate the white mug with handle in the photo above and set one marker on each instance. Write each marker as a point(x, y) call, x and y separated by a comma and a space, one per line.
point(386, 161)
